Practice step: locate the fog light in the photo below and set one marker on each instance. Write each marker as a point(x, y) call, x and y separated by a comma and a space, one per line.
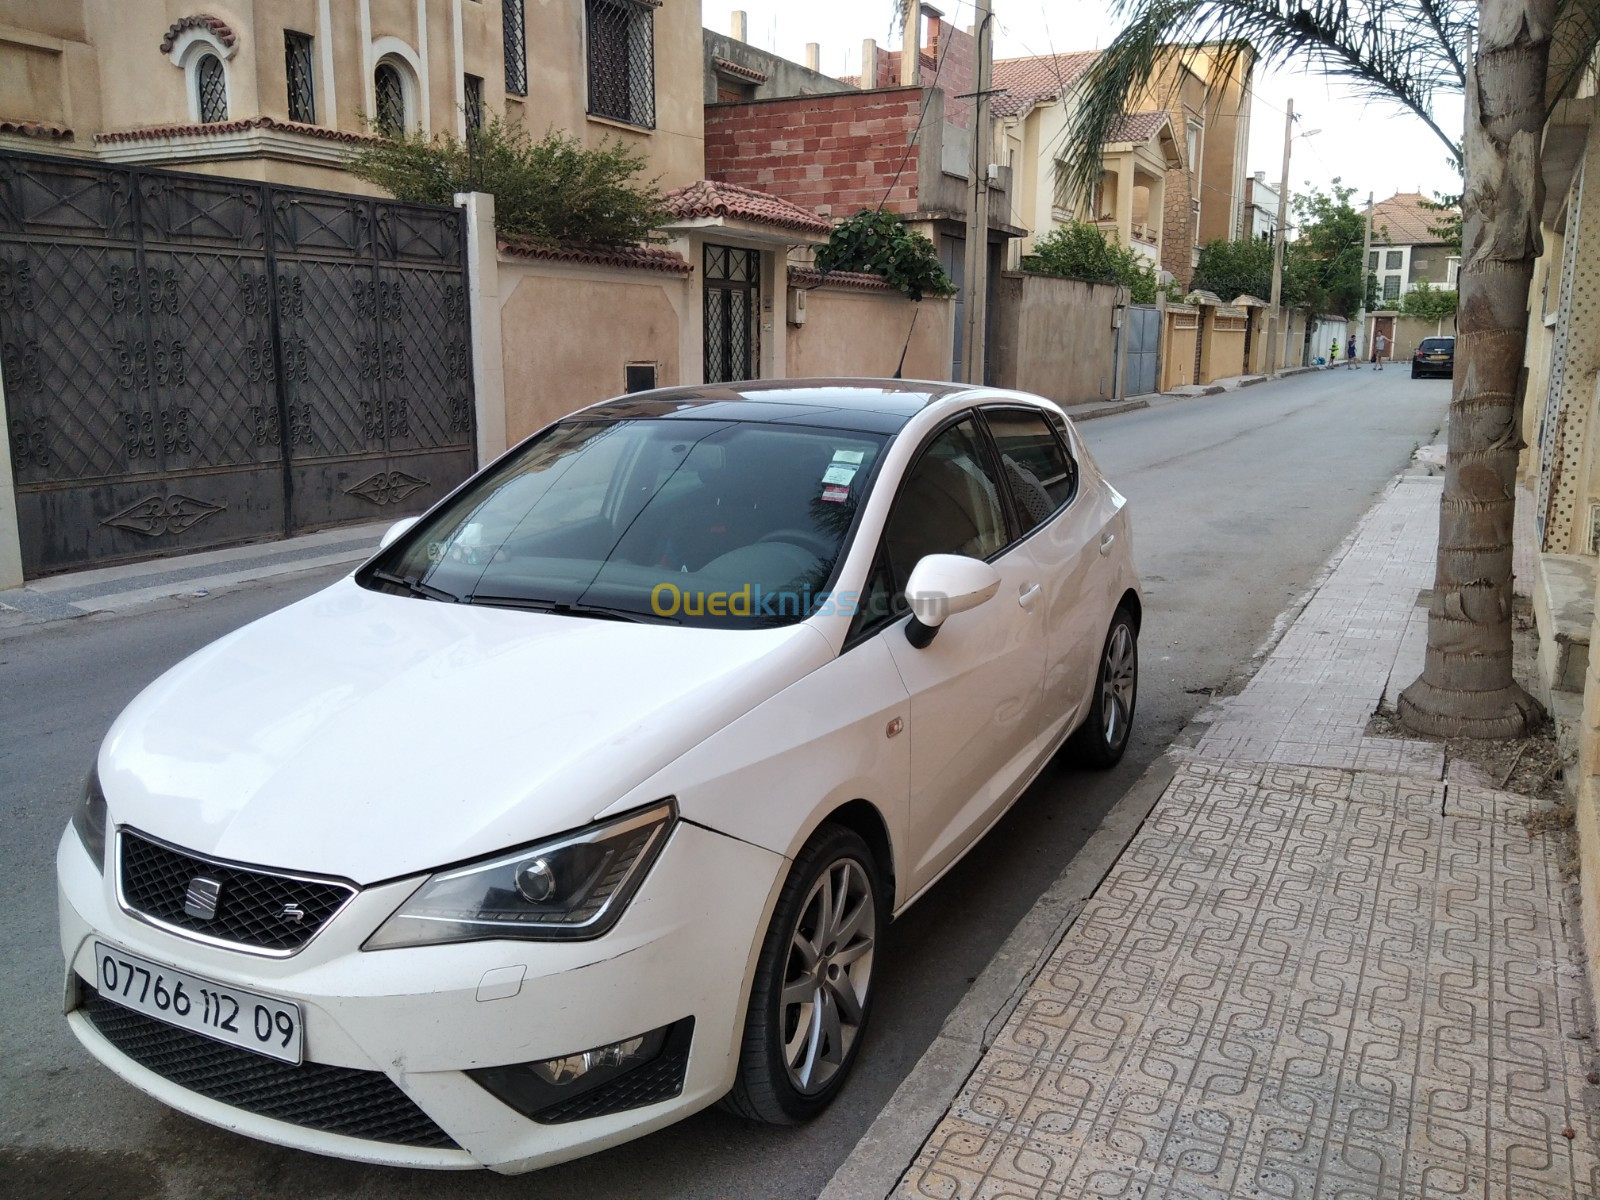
point(648, 1068)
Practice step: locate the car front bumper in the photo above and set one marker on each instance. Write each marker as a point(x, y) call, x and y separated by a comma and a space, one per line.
point(423, 1016)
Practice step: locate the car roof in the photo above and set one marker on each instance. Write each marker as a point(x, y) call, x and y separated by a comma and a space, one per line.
point(868, 405)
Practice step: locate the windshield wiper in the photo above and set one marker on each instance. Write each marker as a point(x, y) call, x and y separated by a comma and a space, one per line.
point(564, 609)
point(416, 587)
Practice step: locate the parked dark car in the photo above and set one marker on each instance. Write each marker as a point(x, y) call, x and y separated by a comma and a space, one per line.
point(1434, 356)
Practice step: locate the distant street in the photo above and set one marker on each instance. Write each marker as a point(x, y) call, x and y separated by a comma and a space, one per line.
point(1237, 499)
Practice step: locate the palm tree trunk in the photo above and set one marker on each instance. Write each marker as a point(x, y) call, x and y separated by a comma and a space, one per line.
point(1466, 688)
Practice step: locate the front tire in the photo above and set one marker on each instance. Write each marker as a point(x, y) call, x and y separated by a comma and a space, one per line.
point(813, 986)
point(1101, 741)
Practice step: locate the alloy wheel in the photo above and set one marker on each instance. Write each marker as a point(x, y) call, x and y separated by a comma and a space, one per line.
point(1118, 678)
point(827, 976)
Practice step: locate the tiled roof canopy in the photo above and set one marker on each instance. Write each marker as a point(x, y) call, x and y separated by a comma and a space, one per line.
point(221, 128)
point(642, 258)
point(1138, 127)
point(36, 129)
point(216, 25)
point(860, 281)
point(711, 199)
point(726, 66)
point(1027, 81)
point(1406, 220)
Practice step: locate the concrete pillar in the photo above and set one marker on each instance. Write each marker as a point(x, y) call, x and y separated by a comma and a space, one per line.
point(869, 63)
point(814, 55)
point(741, 26)
point(483, 299)
point(774, 362)
point(1124, 213)
point(10, 538)
point(911, 46)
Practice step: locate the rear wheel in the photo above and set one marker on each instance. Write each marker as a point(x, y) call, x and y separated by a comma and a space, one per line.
point(1102, 739)
point(813, 986)
point(1415, 373)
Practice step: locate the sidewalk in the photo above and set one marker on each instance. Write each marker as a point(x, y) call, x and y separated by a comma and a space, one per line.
point(1323, 967)
point(137, 585)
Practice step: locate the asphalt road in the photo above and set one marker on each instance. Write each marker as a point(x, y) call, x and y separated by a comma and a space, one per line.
point(1238, 501)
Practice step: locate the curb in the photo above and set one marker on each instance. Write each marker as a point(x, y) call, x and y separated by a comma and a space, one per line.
point(1108, 409)
point(891, 1143)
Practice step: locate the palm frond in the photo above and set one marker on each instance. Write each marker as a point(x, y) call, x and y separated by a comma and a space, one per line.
point(1402, 51)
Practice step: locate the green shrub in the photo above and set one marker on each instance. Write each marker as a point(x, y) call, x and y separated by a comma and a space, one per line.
point(880, 244)
point(553, 190)
point(1078, 250)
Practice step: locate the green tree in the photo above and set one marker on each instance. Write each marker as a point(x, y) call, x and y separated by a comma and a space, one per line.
point(551, 191)
point(1078, 250)
point(1232, 269)
point(1428, 302)
point(1446, 226)
point(1513, 60)
point(1324, 271)
point(880, 244)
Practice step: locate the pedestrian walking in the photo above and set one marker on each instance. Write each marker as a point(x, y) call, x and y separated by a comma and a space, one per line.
point(1350, 352)
point(1380, 347)
point(1333, 353)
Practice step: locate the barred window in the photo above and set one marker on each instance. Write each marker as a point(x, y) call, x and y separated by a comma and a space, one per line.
point(473, 91)
point(1063, 188)
point(516, 44)
point(297, 70)
point(211, 89)
point(1372, 261)
point(622, 68)
point(389, 86)
point(1393, 259)
point(1391, 287)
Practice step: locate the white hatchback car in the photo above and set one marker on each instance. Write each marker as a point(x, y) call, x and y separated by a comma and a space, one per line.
point(585, 803)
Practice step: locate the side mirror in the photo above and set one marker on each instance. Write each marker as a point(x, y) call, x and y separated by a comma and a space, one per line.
point(944, 584)
point(391, 534)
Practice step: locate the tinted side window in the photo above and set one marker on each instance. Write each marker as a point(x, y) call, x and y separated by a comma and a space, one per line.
point(949, 505)
point(1041, 475)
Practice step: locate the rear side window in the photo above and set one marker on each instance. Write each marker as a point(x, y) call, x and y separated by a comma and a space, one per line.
point(1039, 473)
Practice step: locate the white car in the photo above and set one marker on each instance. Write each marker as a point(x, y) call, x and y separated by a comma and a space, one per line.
point(586, 802)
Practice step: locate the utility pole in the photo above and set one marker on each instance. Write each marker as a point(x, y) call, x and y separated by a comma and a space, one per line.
point(1361, 313)
point(1278, 352)
point(976, 273)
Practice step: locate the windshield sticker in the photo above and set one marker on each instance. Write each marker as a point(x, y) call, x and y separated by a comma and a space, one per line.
point(835, 493)
point(839, 473)
point(849, 456)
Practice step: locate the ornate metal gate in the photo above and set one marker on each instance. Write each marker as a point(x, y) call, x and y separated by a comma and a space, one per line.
point(192, 361)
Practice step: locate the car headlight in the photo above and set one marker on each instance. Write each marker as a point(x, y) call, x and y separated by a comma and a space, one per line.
point(570, 887)
point(89, 819)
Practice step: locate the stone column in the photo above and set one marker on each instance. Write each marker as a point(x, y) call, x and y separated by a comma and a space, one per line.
point(483, 300)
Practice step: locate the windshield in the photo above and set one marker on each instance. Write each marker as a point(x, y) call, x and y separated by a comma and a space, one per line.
point(729, 524)
point(1438, 343)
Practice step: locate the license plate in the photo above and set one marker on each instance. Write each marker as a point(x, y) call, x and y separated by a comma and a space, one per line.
point(220, 1011)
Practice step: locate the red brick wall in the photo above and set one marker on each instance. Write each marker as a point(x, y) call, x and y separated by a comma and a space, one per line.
point(953, 76)
point(841, 150)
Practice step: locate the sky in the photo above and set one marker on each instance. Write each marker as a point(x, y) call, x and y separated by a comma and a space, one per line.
point(1369, 145)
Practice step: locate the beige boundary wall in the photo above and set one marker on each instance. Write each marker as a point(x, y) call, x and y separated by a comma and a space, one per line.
point(861, 328)
point(1055, 337)
point(1180, 332)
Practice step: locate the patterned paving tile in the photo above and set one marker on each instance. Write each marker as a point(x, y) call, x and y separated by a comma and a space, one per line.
point(1295, 982)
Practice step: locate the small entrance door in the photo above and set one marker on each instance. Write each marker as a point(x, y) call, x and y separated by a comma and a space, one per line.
point(732, 301)
point(1385, 326)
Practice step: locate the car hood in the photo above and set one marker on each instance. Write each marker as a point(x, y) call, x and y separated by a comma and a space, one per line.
point(372, 736)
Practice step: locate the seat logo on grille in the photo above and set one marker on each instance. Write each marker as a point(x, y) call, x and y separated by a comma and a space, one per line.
point(292, 913)
point(200, 901)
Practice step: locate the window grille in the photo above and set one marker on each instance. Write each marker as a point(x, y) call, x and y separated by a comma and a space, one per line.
point(1372, 261)
point(297, 69)
point(516, 46)
point(1391, 287)
point(1063, 189)
point(1393, 259)
point(391, 96)
point(622, 70)
point(211, 83)
point(474, 94)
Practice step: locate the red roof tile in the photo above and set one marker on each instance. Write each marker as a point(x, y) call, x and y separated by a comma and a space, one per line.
point(1139, 127)
point(1405, 220)
point(711, 199)
point(36, 129)
point(1027, 81)
point(216, 25)
point(219, 128)
point(738, 70)
point(810, 277)
point(642, 258)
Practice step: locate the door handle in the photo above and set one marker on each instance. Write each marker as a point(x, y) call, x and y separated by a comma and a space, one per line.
point(1107, 540)
point(1028, 594)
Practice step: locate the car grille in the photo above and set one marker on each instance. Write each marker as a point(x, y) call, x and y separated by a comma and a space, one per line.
point(343, 1100)
point(254, 908)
